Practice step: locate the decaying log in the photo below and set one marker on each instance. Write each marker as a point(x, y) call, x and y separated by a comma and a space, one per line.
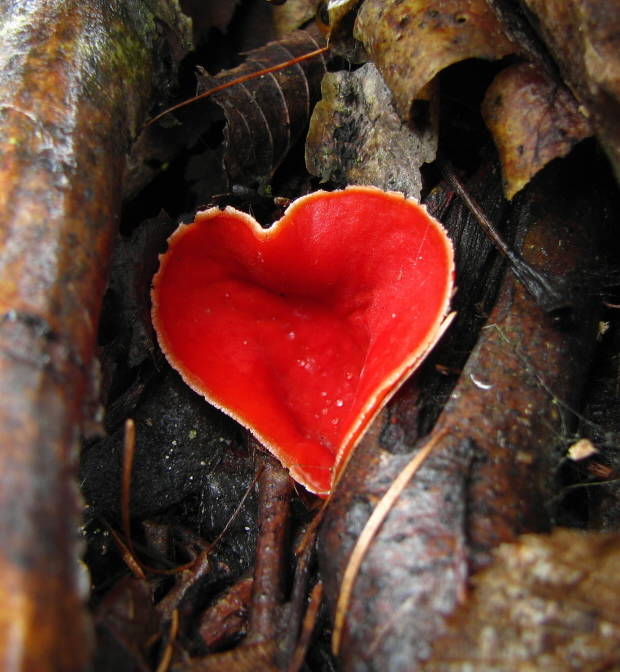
point(488, 478)
point(74, 81)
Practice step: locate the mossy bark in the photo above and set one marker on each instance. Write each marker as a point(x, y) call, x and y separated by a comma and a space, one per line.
point(75, 80)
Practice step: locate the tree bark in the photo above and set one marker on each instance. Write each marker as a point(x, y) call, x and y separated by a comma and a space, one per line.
point(74, 84)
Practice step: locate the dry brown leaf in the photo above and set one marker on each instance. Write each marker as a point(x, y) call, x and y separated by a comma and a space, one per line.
point(411, 41)
point(339, 17)
point(584, 39)
point(356, 137)
point(546, 603)
point(292, 15)
point(533, 120)
point(266, 115)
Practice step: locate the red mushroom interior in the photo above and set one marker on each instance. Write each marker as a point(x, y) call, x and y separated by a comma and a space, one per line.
point(301, 331)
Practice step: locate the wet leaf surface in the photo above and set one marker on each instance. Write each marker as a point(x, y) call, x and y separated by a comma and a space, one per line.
point(74, 84)
point(583, 38)
point(533, 120)
point(411, 41)
point(545, 601)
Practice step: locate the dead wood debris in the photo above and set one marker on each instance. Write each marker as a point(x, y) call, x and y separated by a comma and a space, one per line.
point(75, 84)
point(410, 42)
point(489, 479)
point(501, 429)
point(356, 137)
point(584, 40)
point(532, 121)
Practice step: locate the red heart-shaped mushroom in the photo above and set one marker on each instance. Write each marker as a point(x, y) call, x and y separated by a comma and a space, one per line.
point(302, 331)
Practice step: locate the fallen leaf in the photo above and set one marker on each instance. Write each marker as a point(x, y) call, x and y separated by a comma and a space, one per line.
point(411, 41)
point(546, 603)
point(266, 115)
point(339, 18)
point(584, 39)
point(532, 120)
point(293, 14)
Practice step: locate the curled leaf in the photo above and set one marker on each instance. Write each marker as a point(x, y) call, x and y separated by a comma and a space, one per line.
point(533, 120)
point(584, 39)
point(339, 17)
point(412, 41)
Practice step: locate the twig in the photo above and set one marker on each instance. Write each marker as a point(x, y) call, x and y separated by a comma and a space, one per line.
point(307, 628)
point(293, 633)
point(164, 663)
point(274, 486)
point(129, 450)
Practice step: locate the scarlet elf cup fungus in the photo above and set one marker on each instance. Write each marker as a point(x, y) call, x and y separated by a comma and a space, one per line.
point(302, 332)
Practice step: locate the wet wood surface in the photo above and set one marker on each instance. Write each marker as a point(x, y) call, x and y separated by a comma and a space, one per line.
point(489, 478)
point(497, 396)
point(74, 81)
